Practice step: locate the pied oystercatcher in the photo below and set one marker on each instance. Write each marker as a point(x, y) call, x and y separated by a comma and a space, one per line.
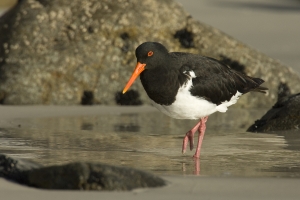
point(189, 86)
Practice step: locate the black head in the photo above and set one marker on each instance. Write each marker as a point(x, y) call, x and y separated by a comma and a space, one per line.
point(149, 56)
point(152, 54)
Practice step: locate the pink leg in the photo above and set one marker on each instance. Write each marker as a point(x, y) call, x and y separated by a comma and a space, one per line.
point(201, 130)
point(189, 137)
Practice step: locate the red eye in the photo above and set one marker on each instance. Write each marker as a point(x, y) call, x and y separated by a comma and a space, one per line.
point(150, 53)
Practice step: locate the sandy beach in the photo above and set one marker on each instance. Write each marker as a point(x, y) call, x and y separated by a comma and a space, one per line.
point(179, 188)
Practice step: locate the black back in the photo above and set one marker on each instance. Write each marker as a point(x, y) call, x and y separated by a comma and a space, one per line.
point(214, 81)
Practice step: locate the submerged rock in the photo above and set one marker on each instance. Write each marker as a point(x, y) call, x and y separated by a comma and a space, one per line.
point(55, 51)
point(14, 169)
point(76, 176)
point(284, 115)
point(131, 97)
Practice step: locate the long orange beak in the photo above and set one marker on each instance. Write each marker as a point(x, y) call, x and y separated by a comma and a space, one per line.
point(137, 71)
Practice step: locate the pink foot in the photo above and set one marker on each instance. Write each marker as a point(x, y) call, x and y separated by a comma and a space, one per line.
point(189, 137)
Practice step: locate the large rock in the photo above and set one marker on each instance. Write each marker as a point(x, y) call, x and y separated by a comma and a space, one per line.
point(67, 51)
point(76, 176)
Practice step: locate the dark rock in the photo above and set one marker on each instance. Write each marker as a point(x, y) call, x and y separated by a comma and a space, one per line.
point(233, 64)
point(131, 97)
point(126, 46)
point(14, 169)
point(91, 29)
point(44, 3)
point(124, 36)
point(51, 51)
point(185, 38)
point(76, 176)
point(87, 98)
point(284, 115)
point(88, 176)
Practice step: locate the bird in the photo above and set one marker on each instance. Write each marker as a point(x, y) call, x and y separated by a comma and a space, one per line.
point(189, 86)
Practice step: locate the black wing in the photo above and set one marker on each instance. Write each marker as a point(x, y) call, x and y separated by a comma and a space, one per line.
point(217, 82)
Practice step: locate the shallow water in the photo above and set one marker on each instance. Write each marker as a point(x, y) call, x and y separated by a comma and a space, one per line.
point(152, 141)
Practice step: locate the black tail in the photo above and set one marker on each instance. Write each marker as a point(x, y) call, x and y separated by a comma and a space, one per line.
point(248, 84)
point(259, 88)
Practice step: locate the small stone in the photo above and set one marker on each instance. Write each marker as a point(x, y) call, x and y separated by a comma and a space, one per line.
point(131, 97)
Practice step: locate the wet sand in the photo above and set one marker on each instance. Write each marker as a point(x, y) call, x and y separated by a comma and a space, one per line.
point(179, 187)
point(144, 138)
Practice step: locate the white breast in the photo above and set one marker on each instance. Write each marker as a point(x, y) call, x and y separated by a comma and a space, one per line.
point(187, 106)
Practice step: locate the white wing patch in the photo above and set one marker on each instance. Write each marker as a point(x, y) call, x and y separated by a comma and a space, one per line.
point(192, 74)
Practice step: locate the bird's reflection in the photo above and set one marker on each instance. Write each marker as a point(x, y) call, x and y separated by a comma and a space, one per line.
point(196, 163)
